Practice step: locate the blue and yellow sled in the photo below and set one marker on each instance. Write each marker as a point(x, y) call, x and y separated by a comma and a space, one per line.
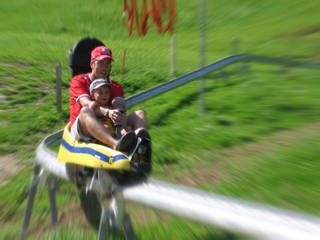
point(91, 154)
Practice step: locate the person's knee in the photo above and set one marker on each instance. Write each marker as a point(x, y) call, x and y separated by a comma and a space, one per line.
point(85, 111)
point(137, 116)
point(86, 114)
point(141, 114)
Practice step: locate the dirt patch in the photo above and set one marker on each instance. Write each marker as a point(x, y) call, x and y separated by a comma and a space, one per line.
point(16, 64)
point(215, 172)
point(141, 215)
point(3, 98)
point(9, 166)
point(69, 216)
point(308, 30)
point(73, 215)
point(8, 78)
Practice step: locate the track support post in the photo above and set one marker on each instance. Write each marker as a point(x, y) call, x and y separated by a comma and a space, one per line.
point(32, 193)
point(39, 179)
point(52, 188)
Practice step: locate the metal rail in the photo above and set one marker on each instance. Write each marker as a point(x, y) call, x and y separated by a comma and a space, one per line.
point(169, 85)
point(236, 215)
point(261, 221)
point(48, 159)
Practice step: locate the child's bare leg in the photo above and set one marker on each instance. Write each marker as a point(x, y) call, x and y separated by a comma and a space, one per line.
point(120, 104)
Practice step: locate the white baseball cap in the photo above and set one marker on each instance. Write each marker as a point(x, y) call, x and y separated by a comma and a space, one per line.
point(98, 83)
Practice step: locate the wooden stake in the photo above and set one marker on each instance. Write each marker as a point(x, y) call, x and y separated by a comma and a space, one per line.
point(123, 61)
point(173, 57)
point(58, 87)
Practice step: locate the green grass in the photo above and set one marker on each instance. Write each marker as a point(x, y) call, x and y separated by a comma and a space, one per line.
point(179, 229)
point(285, 177)
point(242, 107)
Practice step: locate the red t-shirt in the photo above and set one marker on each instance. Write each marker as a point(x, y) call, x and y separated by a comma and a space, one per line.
point(79, 87)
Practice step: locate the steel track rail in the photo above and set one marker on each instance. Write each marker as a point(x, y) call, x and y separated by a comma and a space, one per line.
point(261, 221)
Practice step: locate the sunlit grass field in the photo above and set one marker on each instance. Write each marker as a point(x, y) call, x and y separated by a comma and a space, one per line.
point(259, 136)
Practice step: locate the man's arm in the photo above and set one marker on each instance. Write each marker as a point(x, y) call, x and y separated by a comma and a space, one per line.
point(114, 114)
point(87, 102)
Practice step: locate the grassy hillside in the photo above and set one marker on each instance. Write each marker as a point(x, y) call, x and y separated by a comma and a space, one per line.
point(258, 139)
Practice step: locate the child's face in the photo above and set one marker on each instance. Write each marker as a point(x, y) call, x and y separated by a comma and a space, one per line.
point(101, 95)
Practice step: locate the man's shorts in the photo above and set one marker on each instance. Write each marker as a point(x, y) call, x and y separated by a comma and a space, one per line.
point(76, 132)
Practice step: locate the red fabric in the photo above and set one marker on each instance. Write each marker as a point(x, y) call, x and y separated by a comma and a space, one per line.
point(154, 8)
point(172, 16)
point(80, 86)
point(125, 5)
point(101, 52)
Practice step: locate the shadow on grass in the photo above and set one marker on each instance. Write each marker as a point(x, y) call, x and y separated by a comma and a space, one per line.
point(223, 236)
point(162, 118)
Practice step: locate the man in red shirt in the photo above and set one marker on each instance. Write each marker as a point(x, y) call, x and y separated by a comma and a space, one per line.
point(84, 123)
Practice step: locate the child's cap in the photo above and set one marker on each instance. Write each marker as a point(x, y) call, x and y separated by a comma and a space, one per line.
point(98, 83)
